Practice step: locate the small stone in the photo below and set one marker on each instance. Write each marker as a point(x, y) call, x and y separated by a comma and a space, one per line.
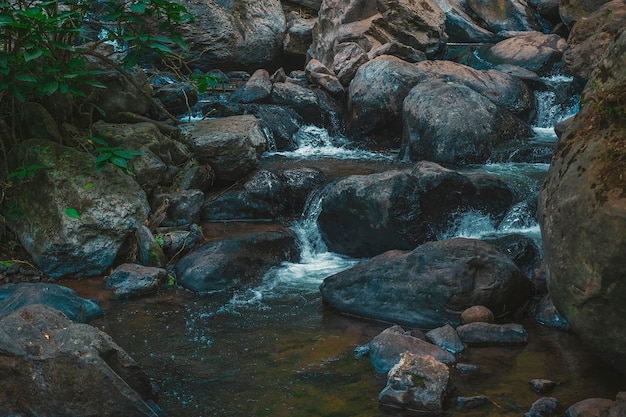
point(477, 314)
point(466, 368)
point(492, 334)
point(132, 280)
point(446, 337)
point(542, 386)
point(471, 402)
point(543, 407)
point(590, 407)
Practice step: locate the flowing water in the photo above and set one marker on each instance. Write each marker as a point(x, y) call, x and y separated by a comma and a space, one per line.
point(272, 349)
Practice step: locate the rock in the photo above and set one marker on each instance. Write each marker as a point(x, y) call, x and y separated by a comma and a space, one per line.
point(36, 122)
point(299, 34)
point(178, 242)
point(222, 264)
point(238, 34)
point(493, 196)
point(506, 91)
point(319, 74)
point(231, 145)
point(582, 213)
point(460, 27)
point(418, 383)
point(52, 366)
point(543, 407)
point(590, 38)
point(492, 334)
point(416, 24)
point(533, 51)
point(149, 251)
point(300, 184)
point(365, 215)
point(386, 349)
point(509, 15)
point(465, 368)
point(466, 403)
point(110, 205)
point(183, 207)
point(572, 11)
point(349, 56)
point(521, 249)
point(542, 386)
point(311, 4)
point(15, 296)
point(477, 314)
point(280, 123)
point(314, 106)
point(194, 176)
point(437, 125)
point(177, 98)
point(256, 89)
point(445, 337)
point(405, 53)
point(428, 287)
point(132, 280)
point(379, 110)
point(546, 313)
point(591, 407)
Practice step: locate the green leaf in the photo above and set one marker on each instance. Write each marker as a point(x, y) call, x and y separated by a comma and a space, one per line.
point(30, 54)
point(138, 7)
point(179, 41)
point(89, 186)
point(50, 88)
point(26, 78)
point(128, 153)
point(119, 162)
point(160, 47)
point(6, 264)
point(103, 157)
point(70, 212)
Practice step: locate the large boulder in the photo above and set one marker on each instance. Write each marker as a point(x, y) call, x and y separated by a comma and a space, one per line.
point(533, 51)
point(231, 145)
point(417, 24)
point(450, 123)
point(365, 215)
point(223, 264)
point(572, 11)
point(71, 219)
point(590, 38)
point(50, 366)
point(429, 286)
point(233, 34)
point(378, 111)
point(582, 212)
point(460, 26)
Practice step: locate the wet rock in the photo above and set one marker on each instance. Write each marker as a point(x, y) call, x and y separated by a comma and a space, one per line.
point(546, 313)
point(319, 74)
point(591, 407)
point(436, 125)
point(177, 98)
point(378, 111)
point(590, 38)
point(465, 368)
point(418, 383)
point(522, 250)
point(179, 241)
point(300, 183)
point(492, 334)
point(132, 280)
point(427, 287)
point(506, 91)
point(582, 213)
point(492, 196)
point(256, 89)
point(34, 121)
point(349, 56)
point(460, 26)
point(446, 337)
point(52, 366)
point(281, 122)
point(223, 264)
point(231, 145)
point(533, 51)
point(183, 207)
point(110, 205)
point(314, 106)
point(194, 176)
point(149, 251)
point(405, 53)
point(513, 15)
point(466, 403)
point(63, 299)
point(476, 314)
point(542, 386)
point(233, 34)
point(543, 407)
point(386, 349)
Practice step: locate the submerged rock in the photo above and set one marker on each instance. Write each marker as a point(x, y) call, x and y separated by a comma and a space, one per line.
point(480, 333)
point(132, 280)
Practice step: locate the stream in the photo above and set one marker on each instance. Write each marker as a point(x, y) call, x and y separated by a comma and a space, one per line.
point(272, 348)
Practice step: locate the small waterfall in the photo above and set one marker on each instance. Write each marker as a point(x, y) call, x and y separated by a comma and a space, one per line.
point(555, 102)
